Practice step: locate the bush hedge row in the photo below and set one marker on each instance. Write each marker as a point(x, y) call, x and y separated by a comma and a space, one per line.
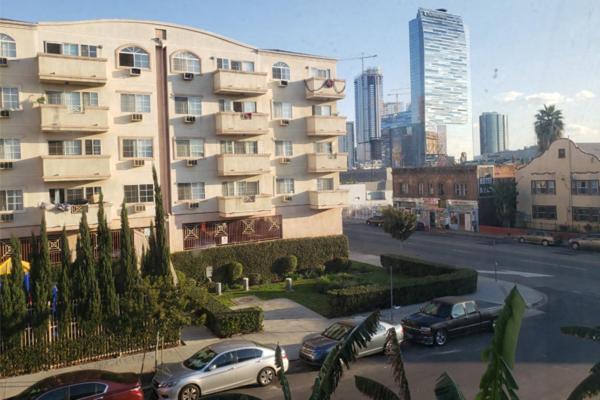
point(225, 322)
point(427, 281)
point(260, 258)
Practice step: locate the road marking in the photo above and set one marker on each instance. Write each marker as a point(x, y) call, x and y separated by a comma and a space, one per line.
point(518, 273)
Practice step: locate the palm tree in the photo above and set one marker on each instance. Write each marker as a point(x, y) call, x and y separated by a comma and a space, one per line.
point(590, 386)
point(548, 126)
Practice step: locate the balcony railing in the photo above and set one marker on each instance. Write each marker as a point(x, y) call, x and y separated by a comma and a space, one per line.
point(75, 168)
point(243, 164)
point(69, 215)
point(234, 123)
point(324, 89)
point(59, 118)
point(321, 125)
point(325, 162)
point(325, 199)
point(239, 82)
point(57, 68)
point(233, 206)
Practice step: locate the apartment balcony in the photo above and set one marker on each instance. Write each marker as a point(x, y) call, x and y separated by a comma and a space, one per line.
point(234, 123)
point(325, 162)
point(59, 118)
point(324, 89)
point(243, 164)
point(325, 199)
point(323, 126)
point(241, 206)
point(239, 82)
point(71, 216)
point(75, 168)
point(57, 68)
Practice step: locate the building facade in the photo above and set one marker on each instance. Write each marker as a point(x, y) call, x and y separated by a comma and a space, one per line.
point(392, 107)
point(493, 133)
point(400, 147)
point(440, 82)
point(244, 139)
point(559, 190)
point(368, 98)
point(347, 144)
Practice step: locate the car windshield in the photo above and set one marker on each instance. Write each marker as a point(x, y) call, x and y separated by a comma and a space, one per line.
point(337, 331)
point(436, 309)
point(200, 359)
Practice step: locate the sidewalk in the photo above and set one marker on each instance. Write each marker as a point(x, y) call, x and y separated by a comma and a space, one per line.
point(285, 322)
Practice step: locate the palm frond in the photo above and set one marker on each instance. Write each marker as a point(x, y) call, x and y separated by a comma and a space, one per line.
point(582, 332)
point(342, 355)
point(447, 389)
point(285, 387)
point(374, 389)
point(589, 388)
point(398, 365)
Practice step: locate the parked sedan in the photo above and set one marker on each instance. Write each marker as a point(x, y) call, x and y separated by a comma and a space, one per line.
point(540, 237)
point(315, 349)
point(85, 384)
point(376, 220)
point(591, 242)
point(220, 366)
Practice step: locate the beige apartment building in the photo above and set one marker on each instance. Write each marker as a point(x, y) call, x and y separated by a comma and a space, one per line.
point(559, 190)
point(244, 139)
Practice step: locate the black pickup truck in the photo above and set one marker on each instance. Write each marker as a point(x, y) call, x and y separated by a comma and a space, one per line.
point(447, 317)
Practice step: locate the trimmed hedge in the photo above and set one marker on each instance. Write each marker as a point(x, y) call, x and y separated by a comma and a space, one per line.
point(261, 257)
point(429, 280)
point(225, 322)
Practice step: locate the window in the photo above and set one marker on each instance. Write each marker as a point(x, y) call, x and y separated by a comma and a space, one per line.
point(228, 189)
point(248, 354)
point(324, 184)
point(441, 189)
point(543, 187)
point(421, 188)
point(225, 359)
point(320, 73)
point(243, 188)
point(71, 49)
point(561, 153)
point(458, 310)
point(190, 105)
point(322, 110)
point(460, 189)
point(470, 307)
point(134, 57)
point(90, 99)
point(139, 193)
point(237, 106)
point(85, 390)
point(137, 148)
point(11, 200)
point(64, 147)
point(430, 189)
point(233, 147)
point(584, 187)
point(10, 149)
point(544, 212)
point(89, 51)
point(404, 188)
point(189, 148)
point(58, 394)
point(281, 71)
point(9, 98)
point(137, 103)
point(73, 100)
point(285, 185)
point(283, 148)
point(93, 147)
point(282, 110)
point(589, 214)
point(184, 61)
point(75, 195)
point(324, 147)
point(8, 46)
point(190, 191)
point(234, 65)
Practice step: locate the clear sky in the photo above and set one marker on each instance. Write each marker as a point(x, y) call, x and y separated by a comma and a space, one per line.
point(524, 53)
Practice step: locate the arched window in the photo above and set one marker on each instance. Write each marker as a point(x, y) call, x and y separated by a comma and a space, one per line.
point(184, 61)
point(134, 57)
point(8, 47)
point(281, 71)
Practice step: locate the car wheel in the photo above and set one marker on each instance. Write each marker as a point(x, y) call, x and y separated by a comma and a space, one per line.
point(575, 246)
point(440, 337)
point(521, 240)
point(266, 376)
point(189, 392)
point(388, 348)
point(545, 243)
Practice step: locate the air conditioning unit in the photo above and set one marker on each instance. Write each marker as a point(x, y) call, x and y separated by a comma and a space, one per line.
point(188, 76)
point(3, 62)
point(286, 199)
point(4, 114)
point(135, 71)
point(138, 162)
point(284, 160)
point(191, 163)
point(246, 115)
point(138, 208)
point(283, 83)
point(284, 122)
point(137, 117)
point(5, 218)
point(6, 165)
point(189, 119)
point(193, 204)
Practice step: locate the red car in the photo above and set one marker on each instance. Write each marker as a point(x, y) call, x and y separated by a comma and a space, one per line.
point(85, 385)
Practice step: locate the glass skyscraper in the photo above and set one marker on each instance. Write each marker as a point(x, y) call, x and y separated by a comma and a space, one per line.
point(440, 82)
point(493, 132)
point(368, 98)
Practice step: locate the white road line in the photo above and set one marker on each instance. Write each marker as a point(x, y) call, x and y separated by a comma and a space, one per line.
point(518, 273)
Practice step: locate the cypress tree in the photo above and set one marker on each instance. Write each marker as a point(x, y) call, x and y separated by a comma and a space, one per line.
point(13, 301)
point(148, 258)
point(86, 283)
point(128, 272)
point(161, 253)
point(106, 281)
point(64, 303)
point(40, 284)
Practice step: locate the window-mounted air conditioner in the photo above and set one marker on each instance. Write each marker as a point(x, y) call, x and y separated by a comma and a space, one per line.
point(286, 198)
point(6, 165)
point(188, 76)
point(4, 113)
point(189, 119)
point(3, 62)
point(284, 122)
point(138, 162)
point(135, 71)
point(191, 163)
point(137, 208)
point(6, 218)
point(137, 117)
point(193, 205)
point(284, 160)
point(283, 83)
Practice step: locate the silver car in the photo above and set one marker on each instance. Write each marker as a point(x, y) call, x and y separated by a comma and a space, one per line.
point(590, 242)
point(220, 366)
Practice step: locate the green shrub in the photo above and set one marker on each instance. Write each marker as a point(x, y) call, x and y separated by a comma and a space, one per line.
point(254, 279)
point(260, 257)
point(338, 264)
point(234, 272)
point(338, 281)
point(413, 266)
point(286, 265)
point(225, 322)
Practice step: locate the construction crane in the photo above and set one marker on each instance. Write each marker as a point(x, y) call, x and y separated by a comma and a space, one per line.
point(397, 92)
point(361, 58)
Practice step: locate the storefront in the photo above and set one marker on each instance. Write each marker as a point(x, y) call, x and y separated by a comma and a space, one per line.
point(434, 213)
point(463, 215)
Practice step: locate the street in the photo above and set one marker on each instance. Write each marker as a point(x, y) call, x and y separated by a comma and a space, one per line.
point(549, 364)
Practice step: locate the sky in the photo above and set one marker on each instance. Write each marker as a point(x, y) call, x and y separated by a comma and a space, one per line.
point(524, 53)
